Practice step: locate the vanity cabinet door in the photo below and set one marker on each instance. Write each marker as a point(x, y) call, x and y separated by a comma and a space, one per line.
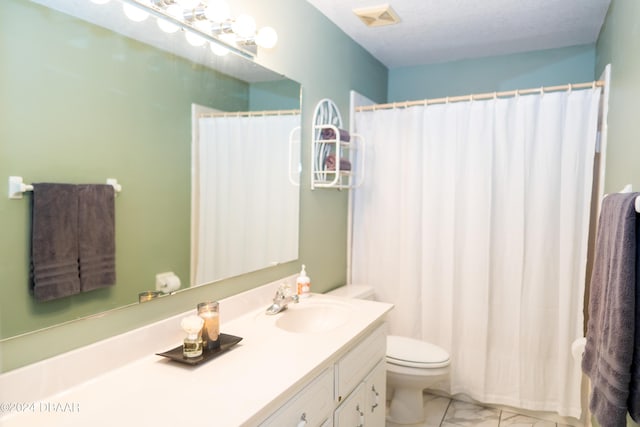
point(352, 411)
point(357, 363)
point(375, 391)
point(311, 407)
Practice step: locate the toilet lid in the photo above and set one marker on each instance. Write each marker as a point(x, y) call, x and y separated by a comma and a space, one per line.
point(405, 351)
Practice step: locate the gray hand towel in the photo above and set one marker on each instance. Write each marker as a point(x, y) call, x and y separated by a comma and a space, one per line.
point(96, 236)
point(634, 388)
point(54, 241)
point(608, 353)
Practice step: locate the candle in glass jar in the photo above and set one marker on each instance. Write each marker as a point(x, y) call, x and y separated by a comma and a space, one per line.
point(208, 311)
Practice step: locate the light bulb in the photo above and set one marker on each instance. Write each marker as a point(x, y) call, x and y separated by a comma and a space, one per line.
point(194, 39)
point(166, 26)
point(218, 50)
point(204, 26)
point(174, 11)
point(134, 13)
point(244, 26)
point(188, 4)
point(267, 37)
point(217, 11)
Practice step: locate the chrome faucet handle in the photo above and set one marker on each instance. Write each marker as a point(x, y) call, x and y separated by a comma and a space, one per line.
point(284, 292)
point(281, 299)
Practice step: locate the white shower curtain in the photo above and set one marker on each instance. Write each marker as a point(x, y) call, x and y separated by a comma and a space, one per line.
point(474, 221)
point(247, 228)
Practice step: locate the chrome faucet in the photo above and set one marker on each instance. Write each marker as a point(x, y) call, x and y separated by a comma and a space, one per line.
point(282, 298)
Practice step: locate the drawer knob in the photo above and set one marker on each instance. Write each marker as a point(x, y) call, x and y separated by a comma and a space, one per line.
point(376, 395)
point(303, 420)
point(361, 415)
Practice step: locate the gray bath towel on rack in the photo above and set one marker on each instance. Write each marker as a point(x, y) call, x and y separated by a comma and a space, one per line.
point(96, 237)
point(608, 354)
point(54, 241)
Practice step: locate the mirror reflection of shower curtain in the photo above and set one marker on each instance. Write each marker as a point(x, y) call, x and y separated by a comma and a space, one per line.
point(246, 204)
point(474, 223)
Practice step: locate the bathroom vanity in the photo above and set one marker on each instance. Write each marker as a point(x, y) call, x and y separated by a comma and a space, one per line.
point(318, 363)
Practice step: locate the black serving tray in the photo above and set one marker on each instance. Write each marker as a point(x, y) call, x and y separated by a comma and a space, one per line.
point(226, 343)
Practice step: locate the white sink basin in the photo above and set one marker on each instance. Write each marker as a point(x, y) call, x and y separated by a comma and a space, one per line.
point(310, 316)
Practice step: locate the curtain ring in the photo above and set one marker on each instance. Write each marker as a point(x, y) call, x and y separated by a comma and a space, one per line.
point(495, 95)
point(593, 85)
point(446, 100)
point(570, 88)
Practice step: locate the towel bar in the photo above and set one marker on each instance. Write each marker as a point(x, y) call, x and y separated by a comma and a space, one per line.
point(17, 187)
point(628, 189)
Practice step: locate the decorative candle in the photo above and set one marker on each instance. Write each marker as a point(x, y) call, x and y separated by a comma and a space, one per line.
point(192, 325)
point(209, 312)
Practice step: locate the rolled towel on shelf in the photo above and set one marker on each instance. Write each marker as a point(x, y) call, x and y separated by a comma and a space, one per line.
point(330, 133)
point(330, 163)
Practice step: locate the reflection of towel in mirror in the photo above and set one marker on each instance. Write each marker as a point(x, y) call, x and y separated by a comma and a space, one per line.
point(608, 355)
point(330, 163)
point(96, 237)
point(54, 241)
point(330, 133)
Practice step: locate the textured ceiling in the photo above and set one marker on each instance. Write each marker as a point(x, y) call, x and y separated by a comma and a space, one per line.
point(445, 30)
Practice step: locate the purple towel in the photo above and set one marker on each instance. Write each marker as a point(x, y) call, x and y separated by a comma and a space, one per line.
point(330, 163)
point(612, 325)
point(330, 133)
point(54, 241)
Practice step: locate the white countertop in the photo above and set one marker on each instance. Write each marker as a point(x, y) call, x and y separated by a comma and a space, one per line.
point(238, 388)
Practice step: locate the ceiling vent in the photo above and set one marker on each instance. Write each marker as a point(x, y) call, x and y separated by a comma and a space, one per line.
point(377, 16)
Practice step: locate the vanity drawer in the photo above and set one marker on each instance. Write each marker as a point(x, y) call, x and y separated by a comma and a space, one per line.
point(355, 365)
point(312, 404)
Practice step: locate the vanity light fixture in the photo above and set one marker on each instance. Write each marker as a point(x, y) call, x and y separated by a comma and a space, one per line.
point(203, 21)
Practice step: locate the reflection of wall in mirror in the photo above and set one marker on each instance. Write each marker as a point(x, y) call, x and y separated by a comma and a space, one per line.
point(80, 104)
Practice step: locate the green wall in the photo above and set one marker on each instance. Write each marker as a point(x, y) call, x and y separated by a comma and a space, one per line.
point(499, 73)
point(155, 178)
point(619, 45)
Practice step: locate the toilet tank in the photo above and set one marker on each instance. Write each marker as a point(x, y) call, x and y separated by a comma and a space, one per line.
point(354, 291)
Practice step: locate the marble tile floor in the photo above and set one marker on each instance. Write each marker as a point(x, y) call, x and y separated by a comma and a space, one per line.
point(445, 412)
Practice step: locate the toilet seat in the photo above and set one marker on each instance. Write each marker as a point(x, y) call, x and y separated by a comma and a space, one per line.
point(405, 351)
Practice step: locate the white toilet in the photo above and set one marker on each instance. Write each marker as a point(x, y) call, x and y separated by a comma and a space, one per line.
point(412, 366)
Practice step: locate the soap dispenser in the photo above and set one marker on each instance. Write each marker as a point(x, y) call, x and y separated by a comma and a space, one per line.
point(303, 283)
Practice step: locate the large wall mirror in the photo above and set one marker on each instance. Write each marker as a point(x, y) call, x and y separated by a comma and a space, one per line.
point(89, 95)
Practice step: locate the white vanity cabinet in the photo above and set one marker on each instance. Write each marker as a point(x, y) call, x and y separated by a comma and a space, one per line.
point(375, 391)
point(365, 406)
point(360, 379)
point(352, 411)
point(273, 378)
point(311, 407)
point(350, 392)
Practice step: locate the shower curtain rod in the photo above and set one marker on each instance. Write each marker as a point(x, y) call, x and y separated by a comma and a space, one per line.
point(481, 96)
point(251, 113)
